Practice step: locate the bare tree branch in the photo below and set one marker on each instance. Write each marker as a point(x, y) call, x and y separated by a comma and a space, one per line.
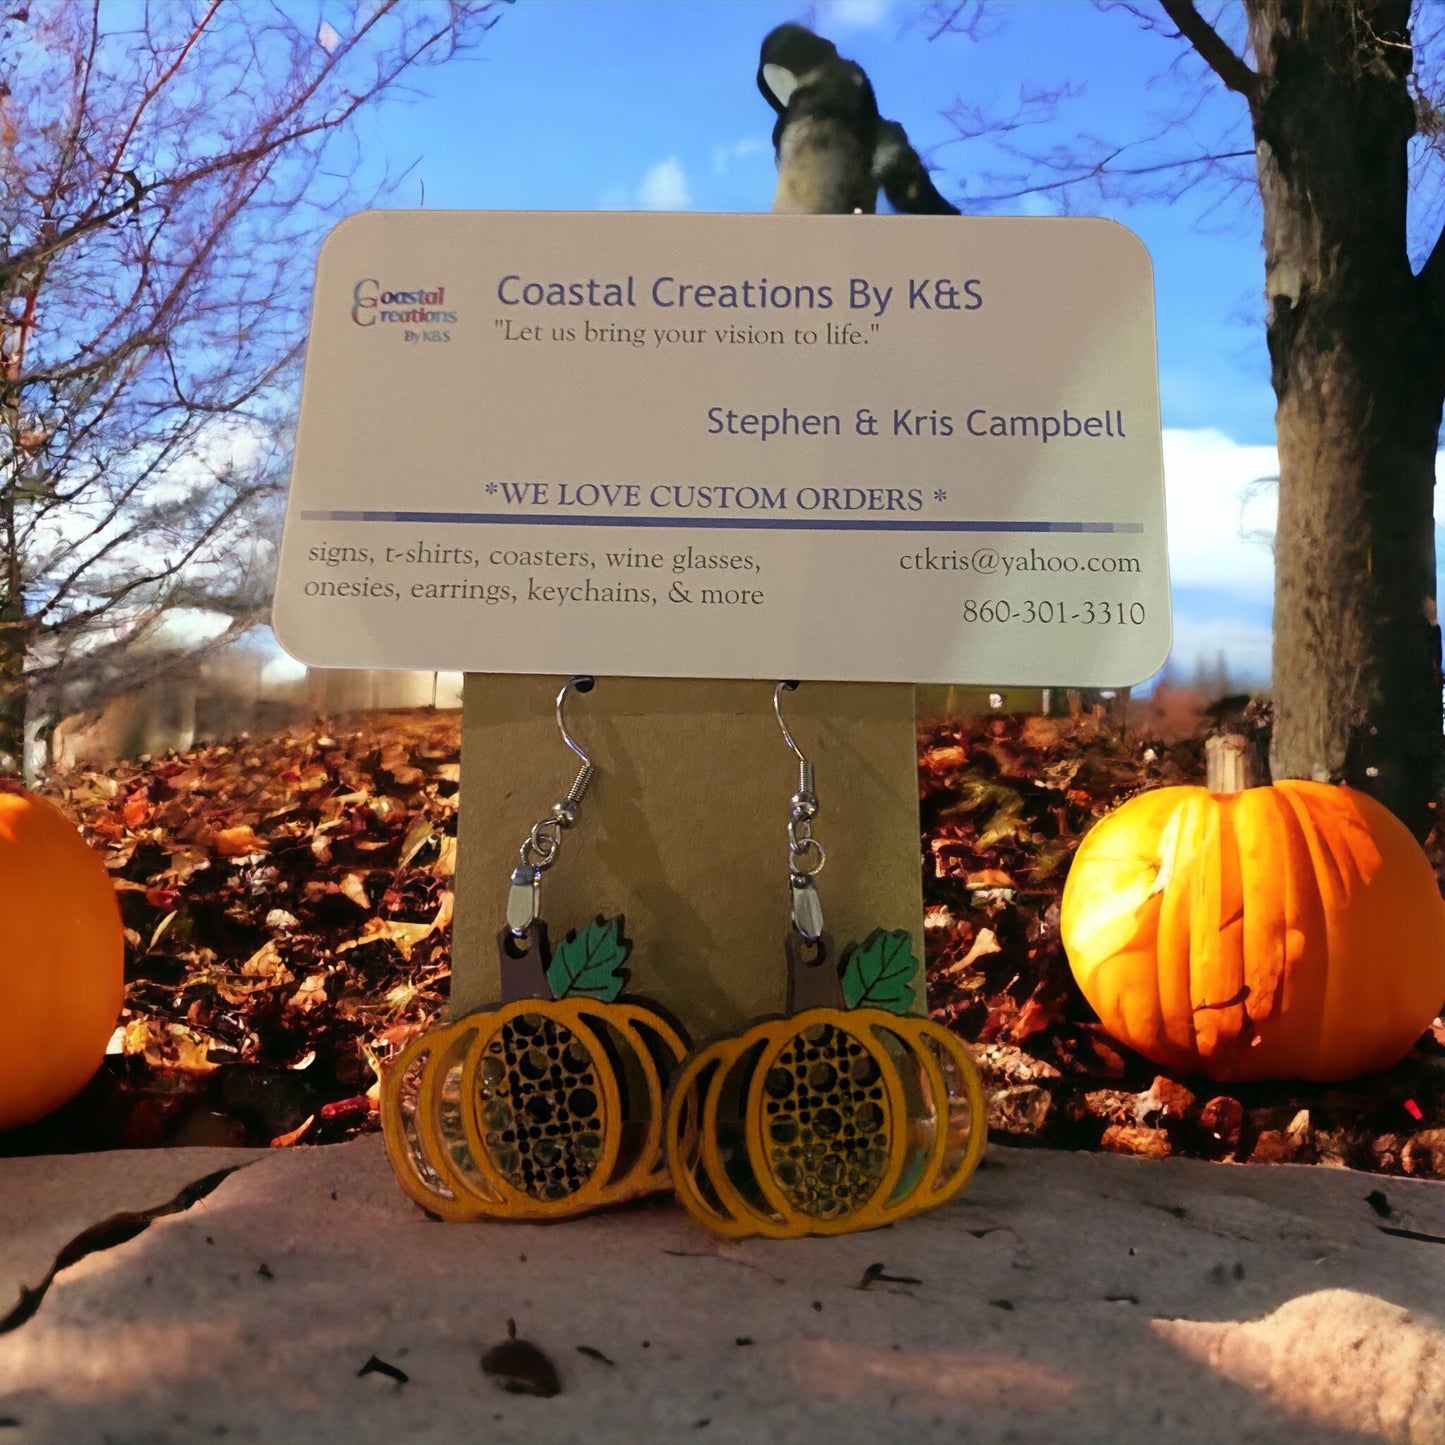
point(162, 167)
point(1228, 66)
point(271, 140)
point(1104, 168)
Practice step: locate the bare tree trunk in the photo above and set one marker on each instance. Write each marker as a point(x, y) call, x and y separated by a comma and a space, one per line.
point(14, 630)
point(12, 692)
point(162, 167)
point(1355, 351)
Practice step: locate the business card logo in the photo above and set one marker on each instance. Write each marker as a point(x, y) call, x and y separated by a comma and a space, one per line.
point(373, 304)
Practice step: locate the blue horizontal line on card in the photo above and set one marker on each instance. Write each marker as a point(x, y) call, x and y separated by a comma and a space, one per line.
point(740, 523)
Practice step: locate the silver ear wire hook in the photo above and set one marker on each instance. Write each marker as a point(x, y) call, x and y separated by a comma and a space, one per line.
point(542, 845)
point(805, 768)
point(584, 774)
point(806, 855)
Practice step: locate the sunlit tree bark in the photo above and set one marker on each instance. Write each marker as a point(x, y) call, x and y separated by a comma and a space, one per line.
point(1347, 145)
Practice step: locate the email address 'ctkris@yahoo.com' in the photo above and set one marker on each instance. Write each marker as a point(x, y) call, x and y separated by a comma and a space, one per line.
point(989, 561)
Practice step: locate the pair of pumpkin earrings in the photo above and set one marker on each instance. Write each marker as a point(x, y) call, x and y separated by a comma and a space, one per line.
point(846, 1113)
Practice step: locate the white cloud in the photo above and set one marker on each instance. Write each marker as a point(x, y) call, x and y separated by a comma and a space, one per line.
point(1221, 514)
point(664, 187)
point(724, 157)
point(1221, 505)
point(1036, 203)
point(187, 627)
point(853, 14)
point(280, 671)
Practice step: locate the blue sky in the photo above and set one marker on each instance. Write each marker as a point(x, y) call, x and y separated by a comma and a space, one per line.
point(616, 103)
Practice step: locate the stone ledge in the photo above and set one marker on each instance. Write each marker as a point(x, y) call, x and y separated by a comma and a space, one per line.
point(1067, 1297)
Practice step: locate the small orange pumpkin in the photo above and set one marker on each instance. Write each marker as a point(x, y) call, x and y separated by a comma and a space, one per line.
point(62, 951)
point(1292, 931)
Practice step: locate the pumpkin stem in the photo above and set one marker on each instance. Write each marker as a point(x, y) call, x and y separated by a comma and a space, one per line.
point(1226, 767)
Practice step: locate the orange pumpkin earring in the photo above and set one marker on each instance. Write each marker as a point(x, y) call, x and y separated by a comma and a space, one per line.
point(549, 1104)
point(849, 1112)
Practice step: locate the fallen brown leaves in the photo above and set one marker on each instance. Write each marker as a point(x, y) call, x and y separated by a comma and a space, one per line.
point(288, 904)
point(1005, 800)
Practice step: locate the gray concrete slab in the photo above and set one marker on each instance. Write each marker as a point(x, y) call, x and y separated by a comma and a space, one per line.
point(1069, 1298)
point(45, 1201)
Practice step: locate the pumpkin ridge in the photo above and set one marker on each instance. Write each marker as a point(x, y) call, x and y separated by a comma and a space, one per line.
point(1175, 915)
point(1355, 819)
point(1311, 979)
point(1308, 806)
point(1217, 984)
point(1267, 884)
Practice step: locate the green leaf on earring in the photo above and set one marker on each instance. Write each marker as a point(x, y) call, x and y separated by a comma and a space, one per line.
point(879, 972)
point(589, 964)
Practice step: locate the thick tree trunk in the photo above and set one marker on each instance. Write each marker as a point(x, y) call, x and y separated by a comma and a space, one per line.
point(1356, 359)
point(14, 626)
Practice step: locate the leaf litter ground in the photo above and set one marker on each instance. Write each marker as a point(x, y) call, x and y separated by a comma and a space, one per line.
point(288, 900)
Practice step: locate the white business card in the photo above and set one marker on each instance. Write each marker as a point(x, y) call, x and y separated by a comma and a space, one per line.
point(853, 447)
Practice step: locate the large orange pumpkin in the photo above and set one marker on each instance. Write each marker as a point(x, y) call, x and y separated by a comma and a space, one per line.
point(1282, 932)
point(61, 959)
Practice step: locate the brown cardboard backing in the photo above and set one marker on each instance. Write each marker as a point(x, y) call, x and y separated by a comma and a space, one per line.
point(684, 828)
